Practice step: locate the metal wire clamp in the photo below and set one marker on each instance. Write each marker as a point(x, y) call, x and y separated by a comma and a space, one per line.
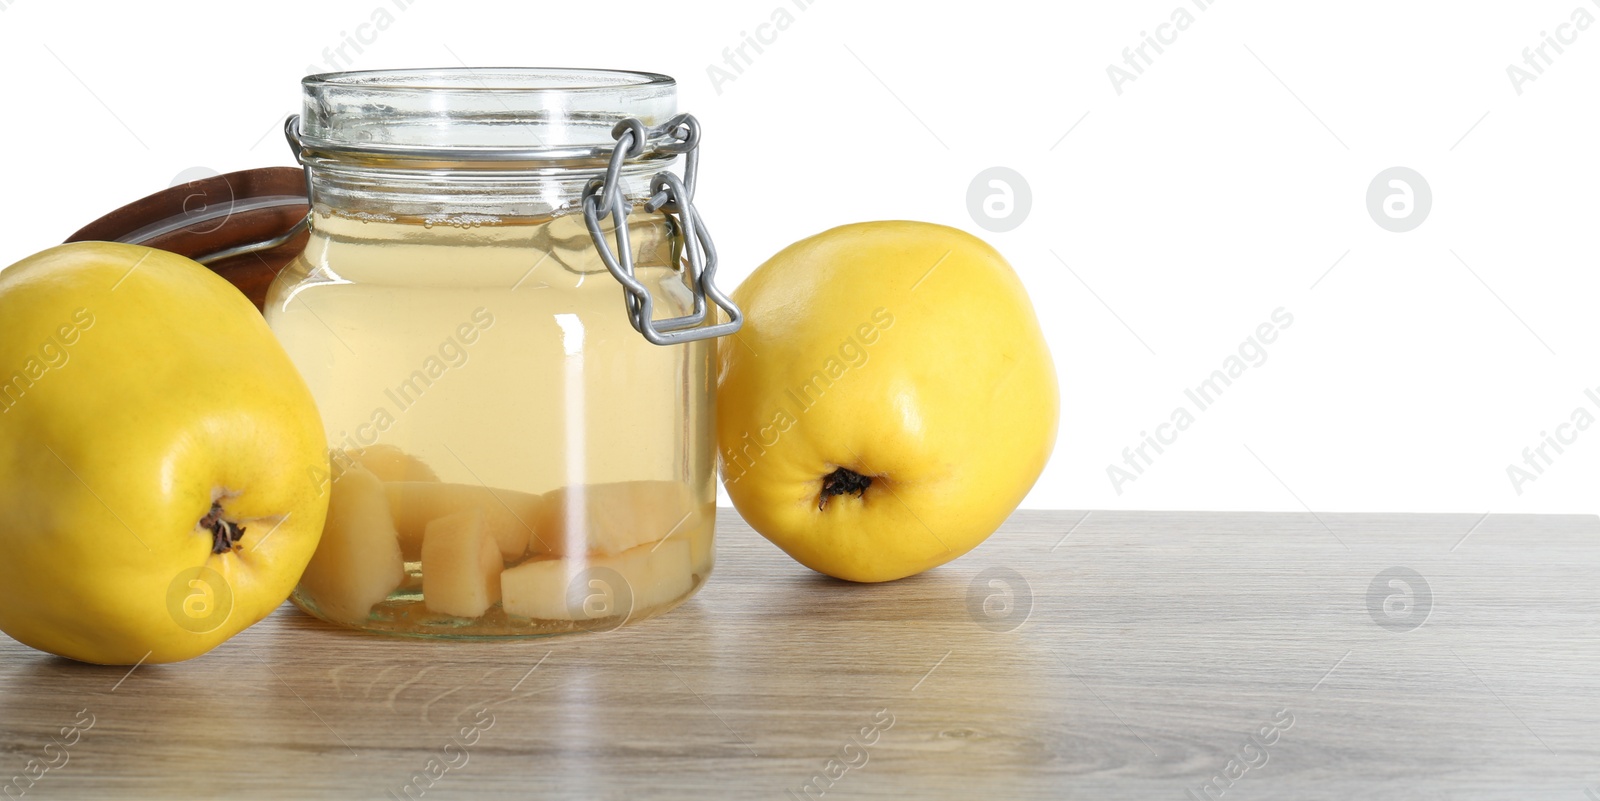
point(673, 197)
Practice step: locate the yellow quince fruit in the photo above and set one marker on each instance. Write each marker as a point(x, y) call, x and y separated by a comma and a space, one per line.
point(889, 401)
point(161, 460)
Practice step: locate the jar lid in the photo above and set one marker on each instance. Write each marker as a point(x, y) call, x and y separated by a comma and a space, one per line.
point(205, 218)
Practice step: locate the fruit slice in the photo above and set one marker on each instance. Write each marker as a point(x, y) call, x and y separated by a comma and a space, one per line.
point(538, 588)
point(357, 563)
point(508, 516)
point(386, 462)
point(460, 565)
point(611, 518)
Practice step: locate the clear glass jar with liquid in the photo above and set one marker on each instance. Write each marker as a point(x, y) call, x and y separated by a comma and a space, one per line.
point(510, 454)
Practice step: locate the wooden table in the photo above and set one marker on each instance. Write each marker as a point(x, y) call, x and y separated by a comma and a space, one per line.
point(1113, 655)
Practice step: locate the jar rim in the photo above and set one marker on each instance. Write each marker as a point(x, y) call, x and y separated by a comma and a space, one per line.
point(471, 118)
point(516, 80)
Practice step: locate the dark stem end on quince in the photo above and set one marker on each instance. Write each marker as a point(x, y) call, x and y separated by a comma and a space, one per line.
point(841, 481)
point(225, 534)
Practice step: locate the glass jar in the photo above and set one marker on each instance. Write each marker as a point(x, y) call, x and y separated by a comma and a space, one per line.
point(517, 396)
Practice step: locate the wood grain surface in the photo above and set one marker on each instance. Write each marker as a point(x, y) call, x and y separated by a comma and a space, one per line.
point(1107, 655)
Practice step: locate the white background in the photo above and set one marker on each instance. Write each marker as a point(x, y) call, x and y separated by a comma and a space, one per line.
point(1221, 184)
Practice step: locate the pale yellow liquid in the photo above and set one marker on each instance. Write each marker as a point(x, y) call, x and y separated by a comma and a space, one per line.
point(498, 355)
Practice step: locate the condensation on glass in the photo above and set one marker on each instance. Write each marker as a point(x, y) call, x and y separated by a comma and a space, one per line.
point(509, 456)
